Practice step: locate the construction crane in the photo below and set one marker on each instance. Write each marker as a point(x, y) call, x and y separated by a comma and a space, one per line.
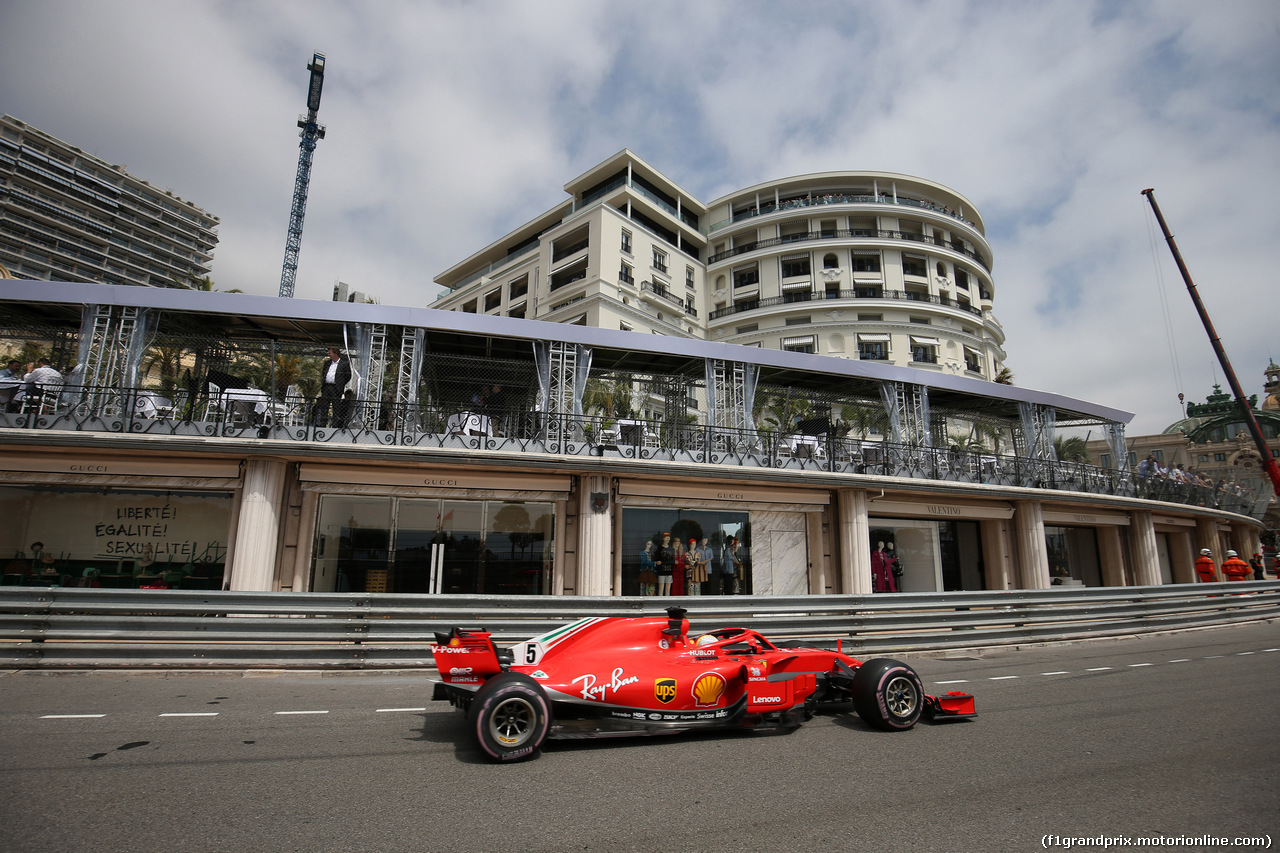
point(1246, 411)
point(312, 132)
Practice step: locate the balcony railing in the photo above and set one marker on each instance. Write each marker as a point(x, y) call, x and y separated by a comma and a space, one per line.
point(855, 293)
point(663, 293)
point(246, 414)
point(795, 204)
point(846, 234)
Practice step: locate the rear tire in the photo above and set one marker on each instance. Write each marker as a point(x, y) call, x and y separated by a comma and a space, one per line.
point(510, 717)
point(888, 694)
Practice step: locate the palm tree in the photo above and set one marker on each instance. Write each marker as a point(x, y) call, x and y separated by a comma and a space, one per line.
point(1004, 376)
point(1073, 449)
point(166, 359)
point(862, 418)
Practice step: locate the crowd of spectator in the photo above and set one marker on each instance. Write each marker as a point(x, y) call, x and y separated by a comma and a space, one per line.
point(1159, 482)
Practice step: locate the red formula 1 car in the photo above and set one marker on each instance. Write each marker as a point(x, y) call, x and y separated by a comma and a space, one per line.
point(619, 676)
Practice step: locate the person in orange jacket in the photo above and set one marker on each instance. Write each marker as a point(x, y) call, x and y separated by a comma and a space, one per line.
point(1235, 568)
point(1204, 567)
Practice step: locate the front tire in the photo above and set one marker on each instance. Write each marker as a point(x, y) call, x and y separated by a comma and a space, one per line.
point(888, 694)
point(510, 717)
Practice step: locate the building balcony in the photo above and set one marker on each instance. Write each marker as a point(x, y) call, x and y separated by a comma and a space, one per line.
point(871, 293)
point(828, 199)
point(848, 234)
point(507, 425)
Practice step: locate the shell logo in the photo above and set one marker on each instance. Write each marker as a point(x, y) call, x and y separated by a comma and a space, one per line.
point(708, 689)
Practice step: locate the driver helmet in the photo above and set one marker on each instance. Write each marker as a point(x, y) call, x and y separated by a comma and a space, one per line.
point(1205, 551)
point(705, 640)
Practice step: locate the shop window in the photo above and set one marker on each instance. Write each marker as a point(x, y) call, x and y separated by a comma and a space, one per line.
point(131, 536)
point(1073, 556)
point(417, 545)
point(727, 535)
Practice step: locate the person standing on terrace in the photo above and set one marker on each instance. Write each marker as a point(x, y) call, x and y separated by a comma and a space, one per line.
point(335, 373)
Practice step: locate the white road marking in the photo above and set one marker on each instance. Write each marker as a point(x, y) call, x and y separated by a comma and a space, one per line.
point(71, 716)
point(956, 681)
point(281, 713)
point(397, 710)
point(193, 714)
point(1058, 672)
point(1002, 677)
point(1243, 653)
point(1098, 669)
point(1141, 664)
point(1181, 660)
point(1211, 657)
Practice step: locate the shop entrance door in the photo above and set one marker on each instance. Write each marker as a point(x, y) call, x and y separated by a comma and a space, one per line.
point(454, 545)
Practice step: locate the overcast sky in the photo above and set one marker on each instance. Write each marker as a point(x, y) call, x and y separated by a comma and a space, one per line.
point(450, 123)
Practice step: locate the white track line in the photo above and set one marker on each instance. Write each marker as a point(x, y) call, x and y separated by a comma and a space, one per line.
point(283, 713)
point(398, 710)
point(193, 714)
point(71, 716)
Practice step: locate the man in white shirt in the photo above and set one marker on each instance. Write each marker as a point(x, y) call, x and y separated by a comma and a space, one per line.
point(335, 373)
point(39, 381)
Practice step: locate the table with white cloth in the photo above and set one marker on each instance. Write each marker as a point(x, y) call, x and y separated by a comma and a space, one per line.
point(149, 404)
point(246, 404)
point(470, 423)
point(804, 446)
point(631, 431)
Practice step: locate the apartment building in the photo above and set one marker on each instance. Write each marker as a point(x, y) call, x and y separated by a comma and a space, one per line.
point(861, 265)
point(66, 215)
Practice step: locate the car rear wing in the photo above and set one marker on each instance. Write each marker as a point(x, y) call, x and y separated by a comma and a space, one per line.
point(466, 657)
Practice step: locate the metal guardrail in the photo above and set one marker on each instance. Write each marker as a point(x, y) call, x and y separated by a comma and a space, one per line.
point(51, 628)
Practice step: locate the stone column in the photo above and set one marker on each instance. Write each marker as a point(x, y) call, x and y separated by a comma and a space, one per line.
point(1111, 553)
point(1033, 554)
point(253, 566)
point(817, 553)
point(997, 555)
point(306, 541)
point(854, 542)
point(1146, 557)
point(1182, 557)
point(594, 536)
point(1207, 536)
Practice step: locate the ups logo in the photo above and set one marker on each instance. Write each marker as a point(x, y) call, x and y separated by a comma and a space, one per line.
point(664, 689)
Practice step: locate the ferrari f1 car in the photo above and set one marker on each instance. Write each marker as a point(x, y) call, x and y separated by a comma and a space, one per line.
point(619, 676)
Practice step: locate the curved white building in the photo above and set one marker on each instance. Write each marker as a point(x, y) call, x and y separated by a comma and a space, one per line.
point(862, 265)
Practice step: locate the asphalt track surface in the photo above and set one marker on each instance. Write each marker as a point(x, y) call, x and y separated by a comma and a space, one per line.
point(1174, 735)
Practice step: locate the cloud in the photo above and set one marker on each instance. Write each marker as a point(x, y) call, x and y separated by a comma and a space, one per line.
point(451, 123)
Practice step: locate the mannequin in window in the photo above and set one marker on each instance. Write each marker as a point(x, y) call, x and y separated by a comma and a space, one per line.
point(664, 564)
point(882, 570)
point(648, 577)
point(895, 567)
